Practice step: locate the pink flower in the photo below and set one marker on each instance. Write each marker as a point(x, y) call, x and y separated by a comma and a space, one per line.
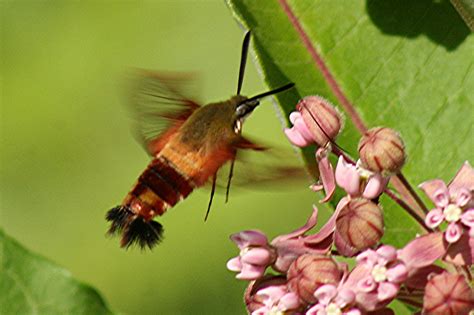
point(255, 255)
point(377, 277)
point(334, 300)
point(357, 181)
point(270, 295)
point(276, 300)
point(299, 134)
point(454, 206)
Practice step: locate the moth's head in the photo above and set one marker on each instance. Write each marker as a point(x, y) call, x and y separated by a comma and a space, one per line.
point(243, 107)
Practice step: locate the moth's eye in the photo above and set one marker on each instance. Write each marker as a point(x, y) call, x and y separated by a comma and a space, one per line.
point(246, 108)
point(238, 126)
point(241, 110)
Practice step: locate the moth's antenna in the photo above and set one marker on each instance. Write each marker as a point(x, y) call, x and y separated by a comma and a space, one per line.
point(229, 179)
point(213, 189)
point(243, 61)
point(271, 92)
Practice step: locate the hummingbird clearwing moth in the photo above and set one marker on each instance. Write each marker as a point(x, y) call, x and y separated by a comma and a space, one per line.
point(188, 143)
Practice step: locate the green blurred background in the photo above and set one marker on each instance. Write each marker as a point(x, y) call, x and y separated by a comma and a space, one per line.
point(67, 153)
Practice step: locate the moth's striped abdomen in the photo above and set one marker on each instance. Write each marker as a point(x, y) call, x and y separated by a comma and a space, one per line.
point(158, 188)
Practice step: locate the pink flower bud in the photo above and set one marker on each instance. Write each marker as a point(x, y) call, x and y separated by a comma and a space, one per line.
point(448, 294)
point(321, 118)
point(309, 272)
point(359, 226)
point(382, 150)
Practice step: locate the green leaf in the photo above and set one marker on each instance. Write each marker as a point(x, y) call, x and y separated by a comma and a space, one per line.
point(403, 64)
point(30, 284)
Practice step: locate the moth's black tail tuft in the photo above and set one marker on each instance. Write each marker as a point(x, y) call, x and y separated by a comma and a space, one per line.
point(119, 217)
point(142, 233)
point(135, 229)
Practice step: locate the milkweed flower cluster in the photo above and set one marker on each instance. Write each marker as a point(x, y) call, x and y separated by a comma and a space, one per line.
point(430, 273)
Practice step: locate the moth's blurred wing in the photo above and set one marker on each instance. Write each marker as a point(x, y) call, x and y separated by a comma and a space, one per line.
point(159, 105)
point(265, 168)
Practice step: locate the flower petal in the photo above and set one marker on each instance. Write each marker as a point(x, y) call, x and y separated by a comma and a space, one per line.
point(347, 177)
point(251, 272)
point(345, 297)
point(387, 253)
point(434, 218)
point(463, 197)
point(330, 225)
point(386, 291)
point(294, 116)
point(437, 191)
point(375, 186)
point(257, 256)
point(352, 311)
point(234, 264)
point(295, 137)
point(453, 232)
point(289, 301)
point(366, 284)
point(463, 179)
point(272, 293)
point(397, 273)
point(423, 251)
point(368, 257)
point(368, 301)
point(326, 293)
point(318, 309)
point(326, 173)
point(461, 252)
point(264, 310)
point(249, 238)
point(303, 129)
point(467, 218)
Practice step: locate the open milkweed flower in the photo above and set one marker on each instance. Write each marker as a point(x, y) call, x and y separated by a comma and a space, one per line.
point(334, 300)
point(255, 255)
point(270, 295)
point(377, 277)
point(358, 181)
point(454, 205)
